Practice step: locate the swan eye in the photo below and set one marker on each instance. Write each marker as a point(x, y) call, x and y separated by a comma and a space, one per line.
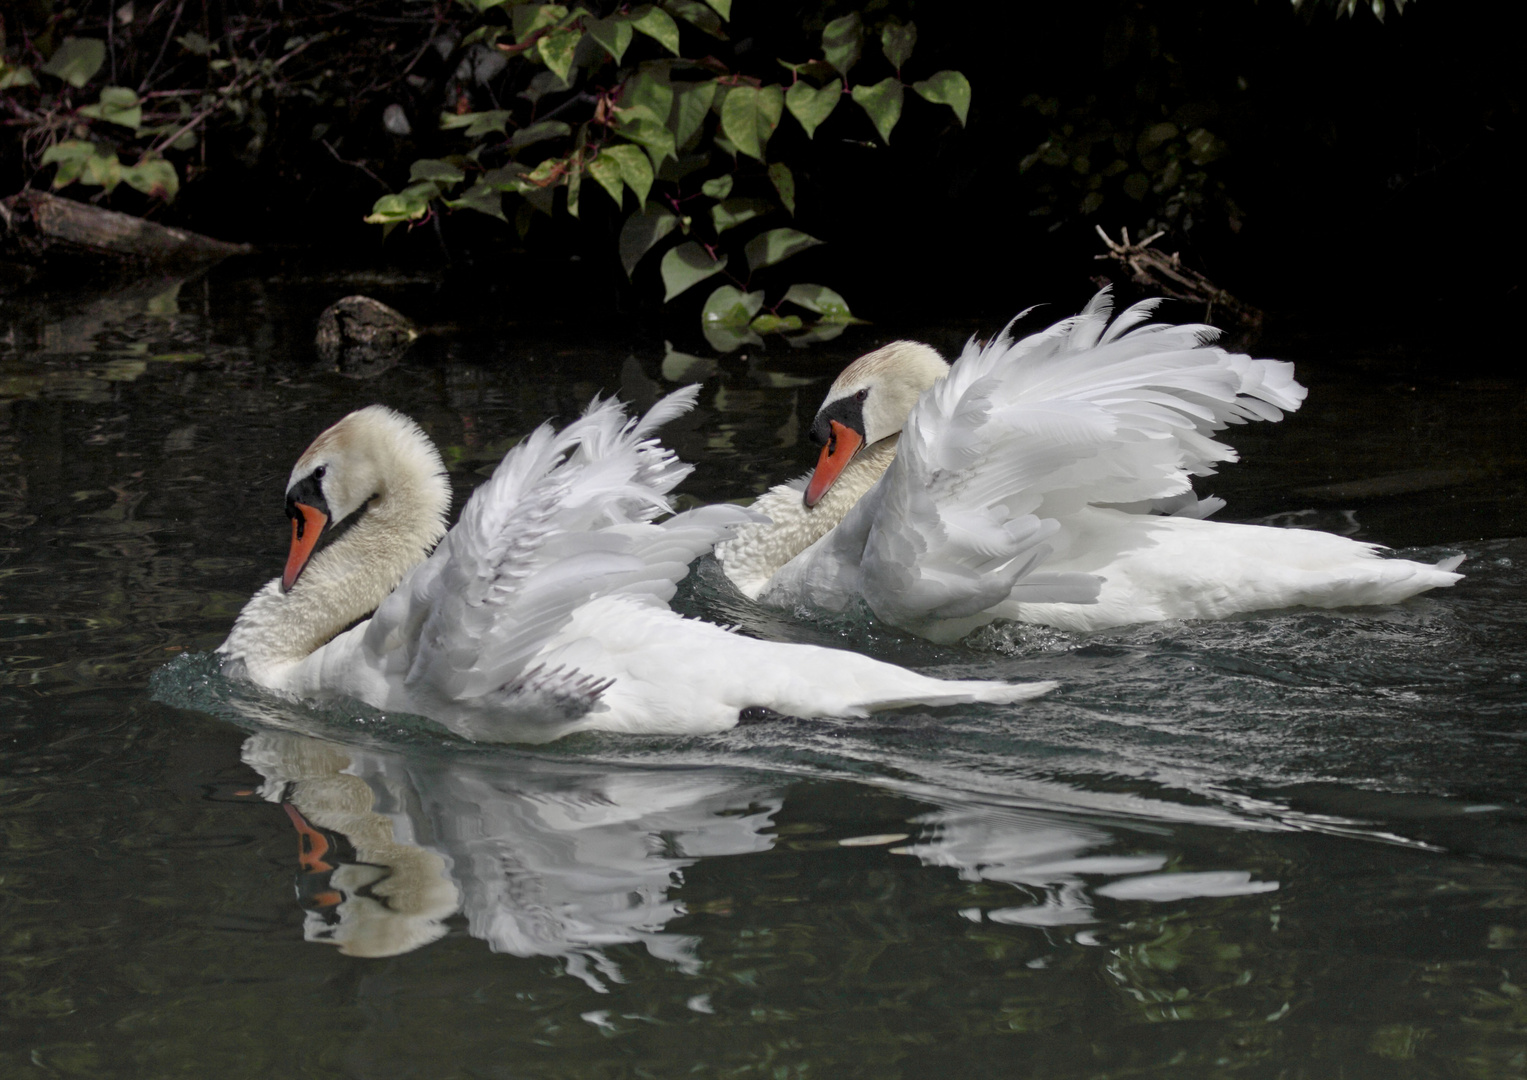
point(862, 394)
point(320, 472)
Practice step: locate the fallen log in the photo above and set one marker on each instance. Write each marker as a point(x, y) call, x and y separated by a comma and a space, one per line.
point(43, 234)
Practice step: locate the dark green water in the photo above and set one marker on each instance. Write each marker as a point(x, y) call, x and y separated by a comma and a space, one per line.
point(1290, 845)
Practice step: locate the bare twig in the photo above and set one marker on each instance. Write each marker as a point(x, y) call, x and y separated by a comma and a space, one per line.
point(355, 164)
point(1166, 273)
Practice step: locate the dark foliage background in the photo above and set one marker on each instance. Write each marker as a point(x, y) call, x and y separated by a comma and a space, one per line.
point(1362, 175)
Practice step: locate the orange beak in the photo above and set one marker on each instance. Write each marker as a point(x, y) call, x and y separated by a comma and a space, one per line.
point(305, 529)
point(842, 445)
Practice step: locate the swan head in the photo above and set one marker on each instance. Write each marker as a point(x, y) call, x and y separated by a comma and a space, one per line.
point(868, 402)
point(370, 459)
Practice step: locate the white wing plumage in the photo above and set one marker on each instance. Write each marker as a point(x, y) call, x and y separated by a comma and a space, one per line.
point(565, 518)
point(1022, 433)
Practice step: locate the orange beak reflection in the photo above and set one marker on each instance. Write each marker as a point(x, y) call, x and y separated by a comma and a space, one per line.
point(842, 444)
point(305, 529)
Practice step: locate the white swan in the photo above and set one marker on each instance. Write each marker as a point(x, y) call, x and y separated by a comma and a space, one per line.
point(544, 610)
point(1047, 480)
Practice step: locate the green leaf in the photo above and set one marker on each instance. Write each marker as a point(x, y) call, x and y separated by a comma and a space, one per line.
point(776, 246)
point(1204, 146)
point(614, 34)
point(442, 172)
point(196, 44)
point(784, 183)
point(843, 41)
point(70, 156)
point(697, 15)
point(947, 88)
point(650, 95)
point(407, 205)
point(483, 197)
point(557, 49)
point(635, 170)
point(153, 176)
point(653, 137)
point(821, 300)
point(687, 265)
point(476, 123)
point(642, 232)
point(749, 116)
point(528, 18)
point(897, 41)
point(768, 323)
point(725, 317)
point(723, 8)
point(811, 107)
point(76, 61)
point(719, 188)
point(733, 212)
point(658, 25)
point(606, 171)
point(1152, 137)
point(12, 75)
point(118, 105)
point(882, 102)
point(691, 102)
point(540, 131)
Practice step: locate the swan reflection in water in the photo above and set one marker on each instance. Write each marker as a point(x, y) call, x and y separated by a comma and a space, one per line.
point(543, 859)
point(559, 859)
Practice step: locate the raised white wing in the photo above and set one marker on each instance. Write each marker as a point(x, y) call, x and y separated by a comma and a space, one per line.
point(566, 517)
point(1021, 433)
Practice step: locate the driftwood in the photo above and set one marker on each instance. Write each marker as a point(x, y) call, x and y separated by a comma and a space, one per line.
point(40, 232)
point(1166, 273)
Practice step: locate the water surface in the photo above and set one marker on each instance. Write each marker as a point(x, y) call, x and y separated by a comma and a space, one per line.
point(1289, 844)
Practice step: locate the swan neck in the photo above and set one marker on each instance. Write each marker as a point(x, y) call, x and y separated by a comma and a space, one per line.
point(344, 582)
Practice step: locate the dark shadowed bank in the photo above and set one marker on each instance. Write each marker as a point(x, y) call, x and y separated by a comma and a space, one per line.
point(1351, 178)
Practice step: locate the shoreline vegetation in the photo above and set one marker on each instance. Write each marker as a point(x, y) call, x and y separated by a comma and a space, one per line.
point(781, 174)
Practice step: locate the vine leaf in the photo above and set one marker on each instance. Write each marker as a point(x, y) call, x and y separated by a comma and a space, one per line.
point(947, 88)
point(690, 104)
point(775, 246)
point(843, 42)
point(557, 49)
point(882, 102)
point(118, 105)
point(430, 169)
point(733, 212)
point(687, 265)
point(784, 183)
point(810, 107)
point(749, 116)
point(642, 232)
point(76, 61)
point(658, 25)
point(540, 131)
point(897, 41)
point(605, 171)
point(827, 304)
point(613, 34)
point(482, 197)
point(634, 169)
point(724, 319)
point(697, 15)
point(723, 8)
point(719, 188)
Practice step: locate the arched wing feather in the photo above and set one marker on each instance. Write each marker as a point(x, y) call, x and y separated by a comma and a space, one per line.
point(567, 516)
point(1087, 411)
